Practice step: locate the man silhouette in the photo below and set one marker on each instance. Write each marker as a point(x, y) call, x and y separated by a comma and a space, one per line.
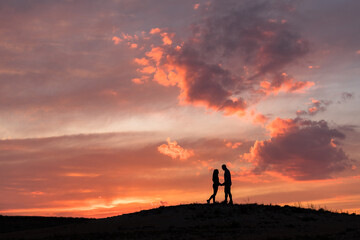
point(227, 184)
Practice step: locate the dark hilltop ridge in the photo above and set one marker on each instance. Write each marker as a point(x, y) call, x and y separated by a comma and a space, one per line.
point(193, 221)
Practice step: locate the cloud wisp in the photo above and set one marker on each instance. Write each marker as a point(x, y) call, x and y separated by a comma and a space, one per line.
point(316, 106)
point(174, 150)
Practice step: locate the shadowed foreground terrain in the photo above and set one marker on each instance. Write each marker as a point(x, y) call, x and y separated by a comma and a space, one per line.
point(194, 221)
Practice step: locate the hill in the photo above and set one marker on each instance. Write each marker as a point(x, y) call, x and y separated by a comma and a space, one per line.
point(193, 221)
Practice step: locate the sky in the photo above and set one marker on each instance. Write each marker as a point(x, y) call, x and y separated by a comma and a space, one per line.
point(110, 107)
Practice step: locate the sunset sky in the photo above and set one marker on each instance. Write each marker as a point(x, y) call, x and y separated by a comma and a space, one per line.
point(110, 107)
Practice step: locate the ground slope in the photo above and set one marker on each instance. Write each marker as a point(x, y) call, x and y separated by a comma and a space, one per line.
point(202, 221)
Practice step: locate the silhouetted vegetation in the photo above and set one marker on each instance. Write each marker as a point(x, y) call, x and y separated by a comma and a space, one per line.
point(196, 221)
point(20, 223)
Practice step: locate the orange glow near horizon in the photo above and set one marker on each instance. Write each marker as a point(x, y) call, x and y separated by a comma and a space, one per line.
point(260, 192)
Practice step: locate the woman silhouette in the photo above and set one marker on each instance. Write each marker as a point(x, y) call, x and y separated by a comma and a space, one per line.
point(216, 184)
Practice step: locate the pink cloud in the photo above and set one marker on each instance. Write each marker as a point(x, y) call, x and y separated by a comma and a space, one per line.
point(315, 106)
point(195, 66)
point(141, 80)
point(232, 145)
point(147, 70)
point(300, 149)
point(173, 150)
point(314, 67)
point(116, 40)
point(260, 119)
point(155, 54)
point(281, 126)
point(155, 30)
point(133, 45)
point(167, 38)
point(284, 83)
point(141, 61)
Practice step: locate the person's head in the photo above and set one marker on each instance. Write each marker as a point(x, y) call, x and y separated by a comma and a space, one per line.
point(223, 166)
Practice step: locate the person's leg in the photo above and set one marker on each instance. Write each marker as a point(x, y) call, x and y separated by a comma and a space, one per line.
point(213, 195)
point(230, 196)
point(208, 201)
point(215, 192)
point(226, 193)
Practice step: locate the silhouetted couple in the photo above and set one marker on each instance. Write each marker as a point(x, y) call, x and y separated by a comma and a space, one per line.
point(226, 183)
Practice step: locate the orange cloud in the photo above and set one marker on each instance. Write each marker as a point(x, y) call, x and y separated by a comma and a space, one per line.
point(162, 78)
point(260, 119)
point(297, 86)
point(167, 38)
point(155, 30)
point(141, 80)
point(79, 174)
point(314, 67)
point(133, 45)
point(232, 145)
point(141, 61)
point(254, 151)
point(137, 81)
point(284, 83)
point(333, 143)
point(156, 54)
point(315, 107)
point(109, 92)
point(116, 40)
point(313, 100)
point(147, 70)
point(173, 150)
point(37, 193)
point(129, 37)
point(280, 126)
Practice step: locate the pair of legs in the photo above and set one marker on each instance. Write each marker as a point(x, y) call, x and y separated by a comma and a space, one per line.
point(228, 193)
point(215, 188)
